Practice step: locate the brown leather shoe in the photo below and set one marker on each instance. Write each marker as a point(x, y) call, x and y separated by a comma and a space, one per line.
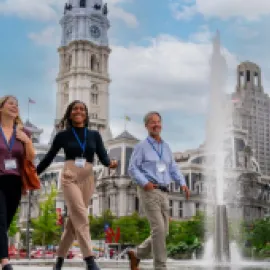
point(133, 260)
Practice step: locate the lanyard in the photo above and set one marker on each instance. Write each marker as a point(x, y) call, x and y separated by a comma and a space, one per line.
point(158, 153)
point(82, 145)
point(12, 140)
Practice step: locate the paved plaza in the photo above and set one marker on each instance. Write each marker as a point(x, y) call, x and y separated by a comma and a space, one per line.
point(185, 267)
point(145, 265)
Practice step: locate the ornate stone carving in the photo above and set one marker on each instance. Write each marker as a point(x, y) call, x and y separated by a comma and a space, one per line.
point(67, 7)
point(97, 7)
point(105, 9)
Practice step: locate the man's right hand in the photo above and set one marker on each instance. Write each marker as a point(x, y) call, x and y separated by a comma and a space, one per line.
point(149, 186)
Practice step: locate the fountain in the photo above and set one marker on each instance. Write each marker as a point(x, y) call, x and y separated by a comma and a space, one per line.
point(217, 124)
point(222, 249)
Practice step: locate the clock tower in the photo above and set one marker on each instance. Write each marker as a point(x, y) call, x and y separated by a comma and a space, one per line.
point(83, 61)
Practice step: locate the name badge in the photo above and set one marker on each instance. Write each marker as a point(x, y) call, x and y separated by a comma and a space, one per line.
point(10, 164)
point(80, 162)
point(161, 167)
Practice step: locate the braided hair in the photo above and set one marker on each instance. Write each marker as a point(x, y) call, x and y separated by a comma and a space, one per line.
point(66, 122)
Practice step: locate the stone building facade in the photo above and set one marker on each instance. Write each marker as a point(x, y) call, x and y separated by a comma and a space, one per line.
point(252, 111)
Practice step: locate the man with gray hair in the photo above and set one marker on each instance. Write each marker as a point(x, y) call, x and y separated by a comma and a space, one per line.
point(152, 166)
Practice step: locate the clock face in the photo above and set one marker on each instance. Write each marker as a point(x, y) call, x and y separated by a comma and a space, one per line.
point(95, 31)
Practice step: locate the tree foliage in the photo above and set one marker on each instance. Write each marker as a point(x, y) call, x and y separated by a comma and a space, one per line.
point(13, 228)
point(45, 228)
point(97, 224)
point(134, 229)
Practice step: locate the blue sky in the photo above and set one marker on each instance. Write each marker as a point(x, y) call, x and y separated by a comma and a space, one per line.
point(160, 58)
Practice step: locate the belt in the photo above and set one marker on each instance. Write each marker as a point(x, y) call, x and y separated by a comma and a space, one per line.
point(162, 188)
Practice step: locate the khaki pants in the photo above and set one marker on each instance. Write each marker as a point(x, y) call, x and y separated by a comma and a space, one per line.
point(156, 206)
point(78, 186)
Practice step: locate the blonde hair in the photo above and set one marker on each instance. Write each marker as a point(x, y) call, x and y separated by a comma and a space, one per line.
point(18, 121)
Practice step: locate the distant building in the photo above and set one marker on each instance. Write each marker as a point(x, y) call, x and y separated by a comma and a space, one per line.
point(252, 112)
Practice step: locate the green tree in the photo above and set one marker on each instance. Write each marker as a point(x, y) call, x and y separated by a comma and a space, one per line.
point(97, 224)
point(259, 236)
point(187, 231)
point(133, 229)
point(185, 237)
point(45, 228)
point(13, 229)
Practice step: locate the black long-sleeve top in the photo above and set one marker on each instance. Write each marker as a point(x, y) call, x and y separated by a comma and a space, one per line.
point(67, 140)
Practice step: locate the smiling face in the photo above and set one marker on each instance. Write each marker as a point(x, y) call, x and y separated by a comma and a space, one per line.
point(9, 108)
point(78, 114)
point(153, 125)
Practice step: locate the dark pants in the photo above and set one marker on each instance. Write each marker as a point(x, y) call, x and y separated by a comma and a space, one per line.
point(10, 196)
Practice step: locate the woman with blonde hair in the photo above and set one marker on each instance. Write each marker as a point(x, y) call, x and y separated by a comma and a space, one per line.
point(15, 145)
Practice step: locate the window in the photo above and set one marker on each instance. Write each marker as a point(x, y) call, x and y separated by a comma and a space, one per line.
point(94, 98)
point(93, 62)
point(171, 207)
point(94, 94)
point(242, 78)
point(197, 206)
point(180, 209)
point(256, 79)
point(248, 75)
point(137, 204)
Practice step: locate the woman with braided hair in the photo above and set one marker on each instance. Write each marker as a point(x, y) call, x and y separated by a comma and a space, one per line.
point(77, 179)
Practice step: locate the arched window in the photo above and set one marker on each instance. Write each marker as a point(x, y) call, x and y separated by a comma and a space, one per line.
point(242, 78)
point(137, 204)
point(256, 79)
point(93, 62)
point(94, 94)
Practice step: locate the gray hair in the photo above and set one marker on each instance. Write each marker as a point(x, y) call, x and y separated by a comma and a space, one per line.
point(149, 115)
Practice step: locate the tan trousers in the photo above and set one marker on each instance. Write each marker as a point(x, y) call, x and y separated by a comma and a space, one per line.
point(78, 186)
point(156, 206)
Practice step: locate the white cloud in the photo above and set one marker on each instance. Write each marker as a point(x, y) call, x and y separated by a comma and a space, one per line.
point(136, 129)
point(48, 36)
point(224, 9)
point(202, 36)
point(183, 12)
point(44, 10)
point(46, 134)
point(116, 12)
point(120, 14)
point(48, 10)
point(169, 74)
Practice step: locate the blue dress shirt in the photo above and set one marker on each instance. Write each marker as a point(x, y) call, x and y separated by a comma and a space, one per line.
point(144, 160)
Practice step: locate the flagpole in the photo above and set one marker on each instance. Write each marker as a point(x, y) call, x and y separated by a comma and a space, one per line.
point(28, 110)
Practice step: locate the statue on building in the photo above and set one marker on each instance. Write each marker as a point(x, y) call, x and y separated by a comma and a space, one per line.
point(105, 9)
point(97, 7)
point(82, 3)
point(67, 7)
